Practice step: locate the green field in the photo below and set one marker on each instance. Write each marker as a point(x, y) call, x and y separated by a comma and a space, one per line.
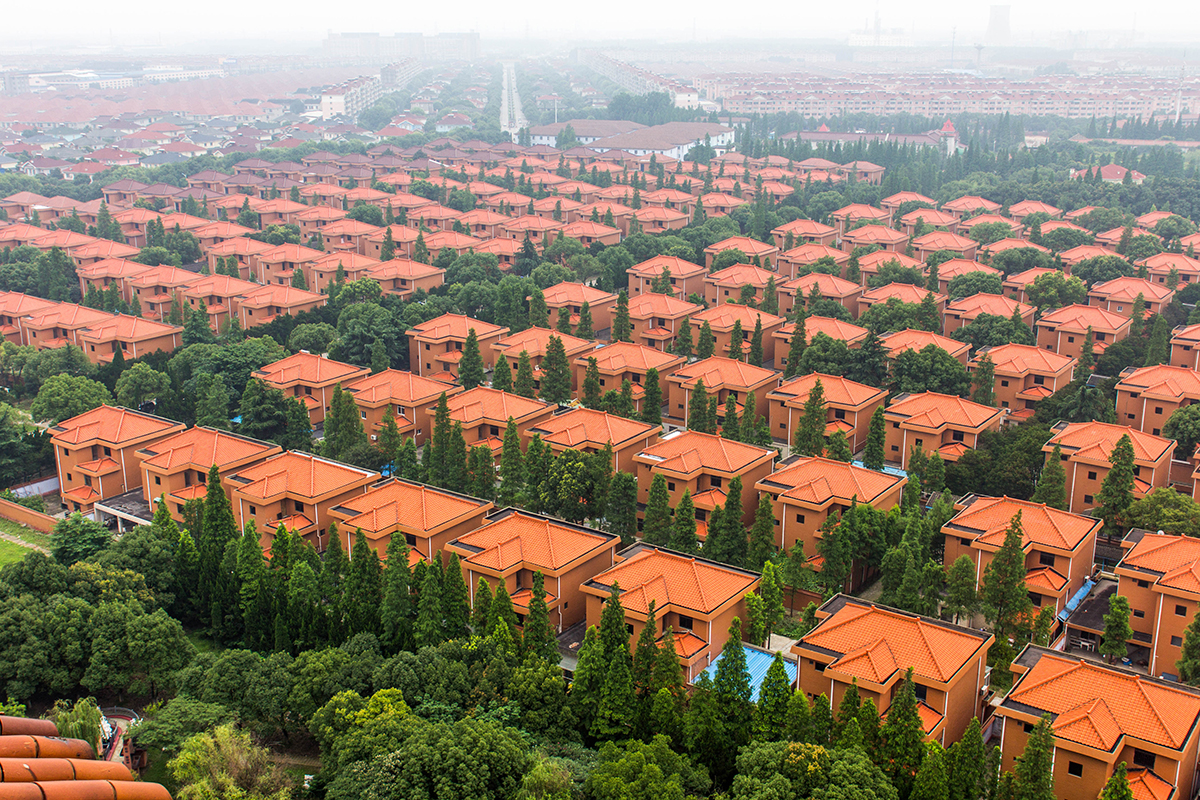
point(10, 553)
point(26, 534)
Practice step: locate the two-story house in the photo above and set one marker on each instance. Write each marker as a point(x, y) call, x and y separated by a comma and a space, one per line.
point(625, 361)
point(849, 406)
point(722, 377)
point(1148, 396)
point(686, 278)
point(724, 319)
point(657, 319)
point(399, 394)
point(436, 346)
point(589, 431)
point(484, 412)
point(1064, 330)
point(941, 423)
point(1086, 448)
point(1025, 375)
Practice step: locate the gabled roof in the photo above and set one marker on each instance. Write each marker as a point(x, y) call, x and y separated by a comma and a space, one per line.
point(110, 424)
point(839, 391)
point(396, 386)
point(818, 481)
point(514, 538)
point(1097, 706)
point(1020, 359)
point(904, 292)
point(484, 403)
point(827, 285)
point(1127, 288)
point(298, 474)
point(987, 518)
point(399, 505)
point(934, 410)
point(200, 448)
point(690, 451)
point(943, 240)
point(1163, 381)
point(285, 296)
point(672, 579)
point(567, 293)
point(750, 247)
point(584, 426)
point(1095, 441)
point(308, 368)
point(722, 373)
point(949, 270)
point(876, 643)
point(651, 304)
point(535, 341)
point(986, 303)
point(1078, 318)
point(833, 328)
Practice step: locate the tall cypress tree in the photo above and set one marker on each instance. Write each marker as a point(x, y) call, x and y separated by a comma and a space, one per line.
point(966, 768)
point(621, 510)
point(584, 329)
point(652, 399)
point(755, 356)
point(470, 366)
point(902, 738)
point(874, 455)
point(502, 379)
point(217, 531)
point(584, 698)
point(539, 314)
point(797, 344)
point(396, 608)
point(539, 638)
point(556, 373)
point(1052, 484)
point(762, 534)
point(683, 529)
point(622, 328)
point(683, 340)
point(656, 527)
point(1004, 594)
point(334, 570)
point(1034, 768)
point(809, 438)
point(512, 470)
point(364, 587)
point(592, 395)
point(932, 782)
point(736, 339)
point(773, 698)
point(1117, 786)
point(456, 602)
point(731, 685)
point(523, 384)
point(438, 446)
point(1116, 492)
point(428, 630)
point(698, 409)
point(482, 610)
point(706, 343)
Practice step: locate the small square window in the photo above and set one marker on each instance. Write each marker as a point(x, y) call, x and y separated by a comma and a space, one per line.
point(157, 480)
point(1180, 611)
point(670, 486)
point(799, 518)
point(1176, 641)
point(1004, 383)
point(1087, 498)
point(1075, 769)
point(1139, 614)
point(1091, 475)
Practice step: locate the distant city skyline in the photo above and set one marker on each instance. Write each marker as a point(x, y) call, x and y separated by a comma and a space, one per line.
point(135, 23)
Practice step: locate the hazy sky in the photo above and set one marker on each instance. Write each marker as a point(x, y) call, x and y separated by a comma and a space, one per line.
point(132, 22)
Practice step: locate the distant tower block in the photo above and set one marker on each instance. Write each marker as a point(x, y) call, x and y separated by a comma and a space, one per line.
point(998, 30)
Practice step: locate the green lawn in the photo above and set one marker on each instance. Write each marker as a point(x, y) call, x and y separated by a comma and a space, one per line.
point(26, 534)
point(11, 553)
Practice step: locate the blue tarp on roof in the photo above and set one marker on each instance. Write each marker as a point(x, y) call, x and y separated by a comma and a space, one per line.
point(1074, 602)
point(757, 662)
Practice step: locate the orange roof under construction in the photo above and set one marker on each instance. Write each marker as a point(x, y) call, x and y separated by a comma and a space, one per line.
point(200, 448)
point(1096, 705)
point(935, 410)
point(1094, 441)
point(514, 538)
point(300, 475)
point(818, 481)
point(691, 451)
point(398, 505)
point(986, 519)
point(878, 644)
point(673, 580)
point(308, 368)
point(582, 427)
point(110, 424)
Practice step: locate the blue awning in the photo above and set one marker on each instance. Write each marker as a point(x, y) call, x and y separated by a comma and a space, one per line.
point(1074, 602)
point(757, 663)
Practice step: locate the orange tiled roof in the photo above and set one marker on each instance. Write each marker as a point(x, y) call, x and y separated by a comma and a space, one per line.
point(1019, 359)
point(1127, 288)
point(395, 386)
point(201, 448)
point(1145, 785)
point(567, 293)
point(722, 373)
point(535, 341)
point(455, 326)
point(308, 368)
point(985, 303)
point(943, 240)
point(912, 339)
point(110, 424)
point(584, 426)
point(833, 328)
point(819, 480)
point(810, 252)
point(1175, 558)
point(484, 403)
point(284, 296)
point(1163, 381)
point(517, 538)
point(838, 391)
point(402, 505)
point(988, 518)
point(1078, 318)
point(741, 275)
point(298, 474)
point(690, 451)
point(1096, 706)
point(904, 292)
point(933, 410)
point(1095, 440)
point(660, 305)
point(673, 579)
point(722, 317)
point(876, 643)
point(1027, 277)
point(827, 285)
point(621, 356)
point(750, 247)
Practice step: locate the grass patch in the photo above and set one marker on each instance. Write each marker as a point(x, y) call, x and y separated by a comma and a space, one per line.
point(11, 553)
point(25, 534)
point(156, 768)
point(203, 643)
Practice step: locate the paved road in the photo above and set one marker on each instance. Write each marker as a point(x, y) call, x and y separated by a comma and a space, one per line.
point(512, 118)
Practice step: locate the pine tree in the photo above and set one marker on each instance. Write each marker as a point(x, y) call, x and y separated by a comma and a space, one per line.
point(838, 447)
point(388, 251)
point(1004, 594)
point(556, 373)
point(470, 366)
point(539, 638)
point(731, 684)
point(621, 511)
point(902, 738)
point(683, 529)
point(420, 249)
point(1034, 768)
point(1117, 631)
point(539, 314)
point(364, 588)
point(873, 456)
point(1051, 486)
point(1188, 665)
point(727, 542)
point(481, 611)
point(762, 534)
point(563, 322)
point(652, 399)
point(730, 424)
point(755, 356)
point(428, 630)
point(706, 343)
point(773, 697)
point(1087, 357)
point(512, 470)
point(934, 477)
point(396, 609)
point(796, 345)
point(1137, 317)
point(820, 721)
point(961, 598)
point(1116, 492)
point(523, 384)
point(589, 679)
point(799, 716)
point(1117, 787)
point(622, 328)
point(391, 443)
point(501, 613)
point(683, 339)
point(502, 375)
point(584, 329)
point(1158, 350)
point(736, 340)
point(196, 329)
point(334, 570)
point(984, 381)
point(697, 409)
point(809, 438)
point(481, 473)
point(656, 528)
point(931, 782)
point(218, 530)
point(966, 768)
point(343, 426)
